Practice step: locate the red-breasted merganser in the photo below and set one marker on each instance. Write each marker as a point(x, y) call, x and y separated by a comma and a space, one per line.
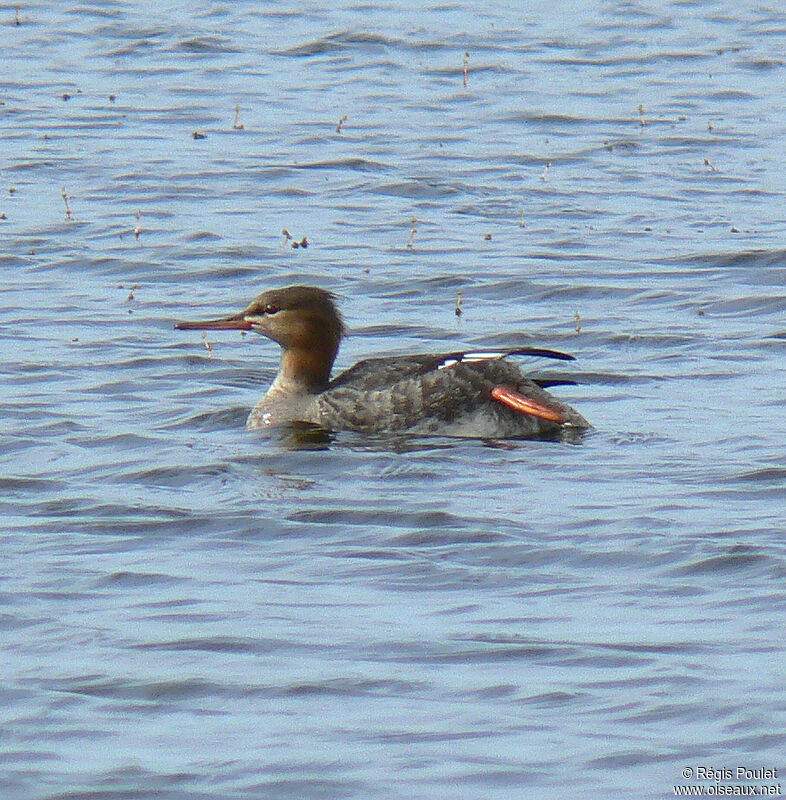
point(450, 394)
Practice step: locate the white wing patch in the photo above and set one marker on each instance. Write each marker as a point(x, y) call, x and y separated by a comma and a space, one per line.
point(471, 357)
point(480, 356)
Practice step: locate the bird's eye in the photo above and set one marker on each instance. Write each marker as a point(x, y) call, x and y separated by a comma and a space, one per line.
point(271, 309)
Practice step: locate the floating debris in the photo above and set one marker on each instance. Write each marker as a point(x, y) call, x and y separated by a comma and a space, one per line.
point(412, 231)
point(487, 237)
point(341, 123)
point(208, 346)
point(288, 237)
point(198, 135)
point(642, 121)
point(64, 195)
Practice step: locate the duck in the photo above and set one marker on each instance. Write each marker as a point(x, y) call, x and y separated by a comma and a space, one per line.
point(468, 394)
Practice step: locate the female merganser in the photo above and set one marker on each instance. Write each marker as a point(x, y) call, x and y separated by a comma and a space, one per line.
point(455, 394)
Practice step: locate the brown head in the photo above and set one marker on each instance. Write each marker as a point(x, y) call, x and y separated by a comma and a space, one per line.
point(304, 320)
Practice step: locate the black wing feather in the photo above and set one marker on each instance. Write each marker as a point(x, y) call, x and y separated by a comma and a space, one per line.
point(377, 373)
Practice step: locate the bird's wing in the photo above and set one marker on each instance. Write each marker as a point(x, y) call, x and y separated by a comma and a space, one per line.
point(379, 373)
point(441, 395)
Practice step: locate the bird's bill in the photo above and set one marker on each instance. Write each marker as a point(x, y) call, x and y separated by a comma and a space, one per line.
point(238, 322)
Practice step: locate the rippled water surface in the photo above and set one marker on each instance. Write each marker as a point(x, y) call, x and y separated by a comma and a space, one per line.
point(192, 611)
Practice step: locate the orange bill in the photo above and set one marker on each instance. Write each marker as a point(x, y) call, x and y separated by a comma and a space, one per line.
point(522, 404)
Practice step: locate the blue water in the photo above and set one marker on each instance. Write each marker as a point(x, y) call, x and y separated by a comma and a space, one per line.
point(190, 610)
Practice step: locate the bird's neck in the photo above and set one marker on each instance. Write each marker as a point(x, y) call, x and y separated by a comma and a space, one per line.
point(305, 370)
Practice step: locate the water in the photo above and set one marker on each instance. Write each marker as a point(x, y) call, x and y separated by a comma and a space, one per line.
point(192, 611)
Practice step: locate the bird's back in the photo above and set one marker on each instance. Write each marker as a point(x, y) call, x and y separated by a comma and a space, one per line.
point(445, 395)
